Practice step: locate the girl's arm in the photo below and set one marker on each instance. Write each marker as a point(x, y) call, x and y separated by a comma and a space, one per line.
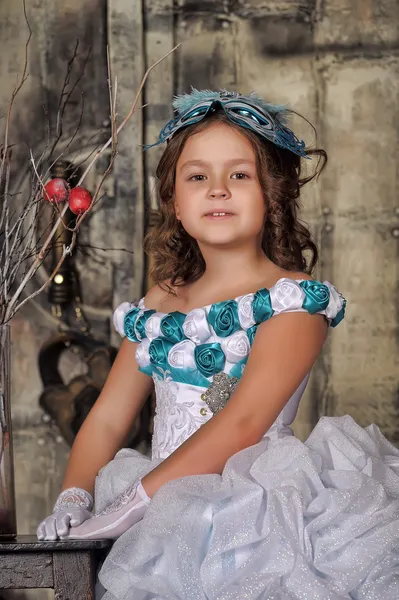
point(109, 422)
point(284, 350)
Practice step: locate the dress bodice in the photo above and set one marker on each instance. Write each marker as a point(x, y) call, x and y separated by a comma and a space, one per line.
point(196, 359)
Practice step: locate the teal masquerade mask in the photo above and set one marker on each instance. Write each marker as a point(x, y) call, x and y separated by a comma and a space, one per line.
point(251, 112)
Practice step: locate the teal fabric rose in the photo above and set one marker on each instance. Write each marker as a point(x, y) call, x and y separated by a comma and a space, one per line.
point(172, 326)
point(129, 323)
point(223, 316)
point(209, 358)
point(158, 351)
point(251, 333)
point(340, 315)
point(140, 323)
point(317, 296)
point(262, 306)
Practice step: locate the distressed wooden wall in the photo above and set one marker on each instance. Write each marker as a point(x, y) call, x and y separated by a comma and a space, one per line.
point(336, 62)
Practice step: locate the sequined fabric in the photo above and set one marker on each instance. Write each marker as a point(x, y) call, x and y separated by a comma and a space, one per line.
point(285, 520)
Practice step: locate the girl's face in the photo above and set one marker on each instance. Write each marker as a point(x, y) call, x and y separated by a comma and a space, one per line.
point(218, 197)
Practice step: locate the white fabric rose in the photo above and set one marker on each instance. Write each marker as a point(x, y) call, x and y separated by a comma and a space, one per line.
point(236, 346)
point(181, 355)
point(119, 317)
point(196, 326)
point(153, 326)
point(245, 311)
point(336, 301)
point(286, 294)
point(142, 354)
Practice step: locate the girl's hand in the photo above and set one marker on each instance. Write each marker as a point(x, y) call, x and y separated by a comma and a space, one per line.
point(71, 509)
point(110, 524)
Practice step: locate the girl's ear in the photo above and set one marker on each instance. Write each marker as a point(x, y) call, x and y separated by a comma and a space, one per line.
point(177, 212)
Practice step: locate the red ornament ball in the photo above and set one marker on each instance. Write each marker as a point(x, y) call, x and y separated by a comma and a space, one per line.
point(79, 200)
point(56, 190)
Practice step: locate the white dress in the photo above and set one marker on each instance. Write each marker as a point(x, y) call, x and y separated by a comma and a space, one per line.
point(285, 520)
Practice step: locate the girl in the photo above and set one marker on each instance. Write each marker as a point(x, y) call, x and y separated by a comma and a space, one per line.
point(231, 504)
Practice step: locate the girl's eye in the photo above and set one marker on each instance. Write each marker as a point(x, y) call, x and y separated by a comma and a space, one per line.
point(239, 176)
point(197, 178)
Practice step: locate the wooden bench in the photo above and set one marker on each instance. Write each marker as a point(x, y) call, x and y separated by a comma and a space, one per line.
point(67, 566)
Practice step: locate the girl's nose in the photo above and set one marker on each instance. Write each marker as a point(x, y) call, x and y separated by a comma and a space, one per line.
point(218, 194)
point(219, 189)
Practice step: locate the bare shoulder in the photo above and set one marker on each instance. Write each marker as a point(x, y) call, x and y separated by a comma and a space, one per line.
point(156, 295)
point(301, 275)
point(295, 275)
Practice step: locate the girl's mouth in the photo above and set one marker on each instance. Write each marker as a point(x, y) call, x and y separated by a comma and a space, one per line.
point(219, 215)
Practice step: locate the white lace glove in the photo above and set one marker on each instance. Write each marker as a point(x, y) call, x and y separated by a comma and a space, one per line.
point(116, 518)
point(72, 508)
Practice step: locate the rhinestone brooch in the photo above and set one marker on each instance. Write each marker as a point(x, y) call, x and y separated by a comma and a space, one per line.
point(219, 391)
point(229, 94)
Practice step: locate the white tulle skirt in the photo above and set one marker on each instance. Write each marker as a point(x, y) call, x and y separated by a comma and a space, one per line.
point(286, 520)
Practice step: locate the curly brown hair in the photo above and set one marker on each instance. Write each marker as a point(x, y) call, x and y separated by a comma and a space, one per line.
point(176, 255)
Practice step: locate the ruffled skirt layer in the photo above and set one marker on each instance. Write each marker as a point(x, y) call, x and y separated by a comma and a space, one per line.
point(286, 520)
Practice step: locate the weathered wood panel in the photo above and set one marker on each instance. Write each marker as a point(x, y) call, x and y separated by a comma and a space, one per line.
point(360, 188)
point(73, 576)
point(159, 39)
point(125, 39)
point(14, 571)
point(361, 26)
